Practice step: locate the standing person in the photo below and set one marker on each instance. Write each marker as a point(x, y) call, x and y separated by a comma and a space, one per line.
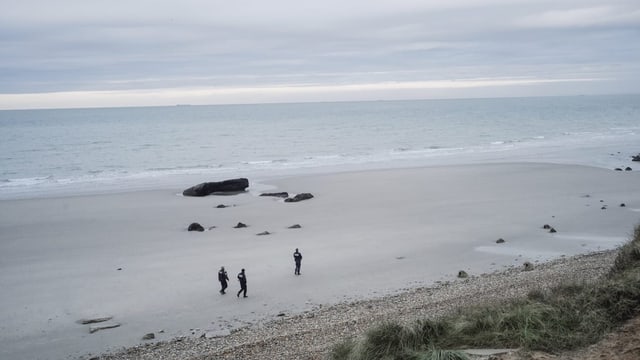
point(243, 283)
point(297, 257)
point(223, 278)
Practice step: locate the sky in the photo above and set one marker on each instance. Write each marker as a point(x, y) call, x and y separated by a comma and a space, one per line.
point(98, 53)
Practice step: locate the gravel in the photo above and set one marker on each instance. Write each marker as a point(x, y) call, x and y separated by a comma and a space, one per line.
point(312, 334)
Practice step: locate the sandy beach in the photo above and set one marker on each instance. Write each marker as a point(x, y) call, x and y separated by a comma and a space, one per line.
point(364, 235)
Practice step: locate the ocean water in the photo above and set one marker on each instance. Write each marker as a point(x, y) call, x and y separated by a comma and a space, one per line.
point(77, 151)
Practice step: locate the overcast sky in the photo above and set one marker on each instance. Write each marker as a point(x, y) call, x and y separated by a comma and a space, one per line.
point(79, 53)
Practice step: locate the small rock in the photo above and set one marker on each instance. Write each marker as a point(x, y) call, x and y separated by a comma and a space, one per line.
point(635, 158)
point(500, 241)
point(295, 226)
point(95, 320)
point(528, 266)
point(622, 205)
point(552, 230)
point(240, 225)
point(603, 208)
point(195, 227)
point(546, 226)
point(628, 168)
point(281, 314)
point(618, 169)
point(278, 194)
point(119, 269)
point(263, 233)
point(299, 197)
point(221, 206)
point(149, 336)
point(211, 227)
point(462, 274)
point(93, 329)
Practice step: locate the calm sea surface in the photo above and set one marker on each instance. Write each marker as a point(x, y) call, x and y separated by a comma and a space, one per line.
point(50, 152)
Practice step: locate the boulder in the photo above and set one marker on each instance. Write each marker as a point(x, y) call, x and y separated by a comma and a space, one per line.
point(299, 197)
point(623, 205)
point(628, 168)
point(226, 186)
point(635, 158)
point(195, 227)
point(278, 194)
point(240, 225)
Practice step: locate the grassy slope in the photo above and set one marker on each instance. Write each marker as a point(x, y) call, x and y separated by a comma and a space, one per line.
point(567, 317)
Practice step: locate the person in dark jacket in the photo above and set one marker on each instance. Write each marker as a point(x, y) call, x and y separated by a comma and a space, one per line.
point(297, 257)
point(223, 278)
point(243, 283)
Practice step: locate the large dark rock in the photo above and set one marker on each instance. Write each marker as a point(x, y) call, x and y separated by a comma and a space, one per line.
point(226, 186)
point(299, 197)
point(195, 227)
point(635, 158)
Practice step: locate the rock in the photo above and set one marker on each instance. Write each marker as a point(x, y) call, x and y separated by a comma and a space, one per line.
point(552, 230)
point(211, 227)
point(226, 186)
point(149, 336)
point(278, 194)
point(263, 233)
point(628, 168)
point(281, 314)
point(603, 208)
point(299, 197)
point(618, 169)
point(240, 225)
point(635, 158)
point(95, 328)
point(195, 227)
point(546, 226)
point(95, 320)
point(500, 241)
point(528, 266)
point(295, 226)
point(622, 205)
point(221, 206)
point(462, 274)
point(216, 334)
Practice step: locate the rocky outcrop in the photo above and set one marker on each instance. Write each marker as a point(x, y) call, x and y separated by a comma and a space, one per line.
point(299, 197)
point(226, 186)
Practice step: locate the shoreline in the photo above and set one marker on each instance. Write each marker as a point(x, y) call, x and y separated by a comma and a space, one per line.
point(366, 234)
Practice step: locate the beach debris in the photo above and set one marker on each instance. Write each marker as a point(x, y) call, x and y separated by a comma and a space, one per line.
point(277, 194)
point(546, 226)
point(528, 266)
point(94, 320)
point(500, 241)
point(225, 187)
point(295, 226)
point(628, 168)
point(105, 326)
point(149, 336)
point(552, 230)
point(299, 197)
point(462, 274)
point(263, 233)
point(240, 225)
point(195, 227)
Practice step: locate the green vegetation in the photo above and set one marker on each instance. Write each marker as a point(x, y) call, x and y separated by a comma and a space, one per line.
point(566, 317)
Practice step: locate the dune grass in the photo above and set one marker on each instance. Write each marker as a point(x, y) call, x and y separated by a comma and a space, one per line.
point(563, 318)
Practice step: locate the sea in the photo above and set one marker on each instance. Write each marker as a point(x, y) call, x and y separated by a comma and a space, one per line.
point(46, 153)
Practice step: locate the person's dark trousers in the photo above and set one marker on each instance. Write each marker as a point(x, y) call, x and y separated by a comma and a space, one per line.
point(224, 287)
point(243, 289)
